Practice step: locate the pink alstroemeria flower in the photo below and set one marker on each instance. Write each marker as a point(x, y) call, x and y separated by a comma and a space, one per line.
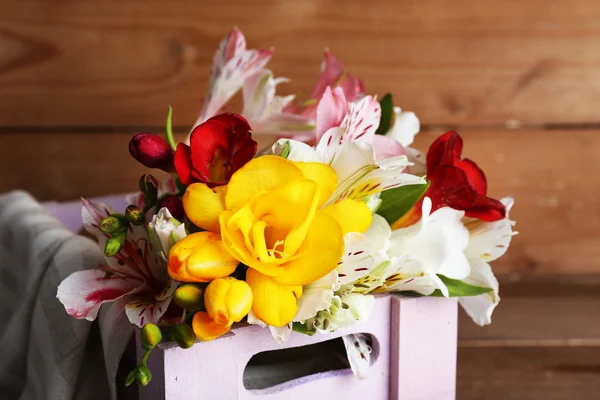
point(333, 74)
point(232, 65)
point(137, 277)
point(340, 120)
point(264, 110)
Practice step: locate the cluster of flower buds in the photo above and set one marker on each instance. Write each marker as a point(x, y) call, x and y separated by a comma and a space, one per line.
point(116, 225)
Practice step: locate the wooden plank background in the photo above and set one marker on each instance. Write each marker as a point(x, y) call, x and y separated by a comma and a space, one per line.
point(520, 80)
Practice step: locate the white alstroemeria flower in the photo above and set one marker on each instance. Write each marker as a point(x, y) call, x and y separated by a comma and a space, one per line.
point(435, 245)
point(488, 241)
point(164, 231)
point(359, 175)
point(405, 128)
point(136, 276)
point(264, 110)
point(232, 65)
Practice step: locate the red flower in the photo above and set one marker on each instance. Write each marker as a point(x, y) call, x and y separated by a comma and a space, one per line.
point(218, 147)
point(456, 183)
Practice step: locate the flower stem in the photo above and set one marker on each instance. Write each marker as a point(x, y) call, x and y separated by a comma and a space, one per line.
point(169, 134)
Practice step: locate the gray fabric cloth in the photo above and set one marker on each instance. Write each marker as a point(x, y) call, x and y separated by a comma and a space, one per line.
point(45, 353)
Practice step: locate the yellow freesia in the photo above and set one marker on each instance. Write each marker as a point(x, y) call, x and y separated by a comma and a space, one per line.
point(227, 300)
point(200, 257)
point(271, 218)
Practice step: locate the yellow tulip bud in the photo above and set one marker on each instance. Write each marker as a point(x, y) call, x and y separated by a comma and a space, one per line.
point(200, 257)
point(228, 300)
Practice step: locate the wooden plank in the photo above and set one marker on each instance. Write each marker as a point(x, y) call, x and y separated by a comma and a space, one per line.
point(552, 175)
point(532, 373)
point(461, 62)
point(541, 311)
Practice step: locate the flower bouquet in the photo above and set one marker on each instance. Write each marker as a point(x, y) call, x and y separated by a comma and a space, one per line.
point(299, 237)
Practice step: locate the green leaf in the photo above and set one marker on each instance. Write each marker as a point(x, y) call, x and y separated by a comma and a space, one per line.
point(301, 328)
point(169, 134)
point(458, 288)
point(387, 114)
point(398, 201)
point(285, 153)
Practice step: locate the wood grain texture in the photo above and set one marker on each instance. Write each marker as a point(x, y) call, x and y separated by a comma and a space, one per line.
point(551, 173)
point(534, 373)
point(540, 311)
point(116, 63)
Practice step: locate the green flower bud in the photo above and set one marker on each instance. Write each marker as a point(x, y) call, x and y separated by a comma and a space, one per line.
point(183, 335)
point(112, 225)
point(115, 244)
point(189, 296)
point(150, 336)
point(149, 185)
point(131, 377)
point(144, 376)
point(134, 215)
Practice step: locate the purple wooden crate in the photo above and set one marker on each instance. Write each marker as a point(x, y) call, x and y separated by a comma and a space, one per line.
point(415, 348)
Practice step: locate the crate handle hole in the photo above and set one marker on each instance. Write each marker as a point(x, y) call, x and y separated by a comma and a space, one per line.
point(279, 369)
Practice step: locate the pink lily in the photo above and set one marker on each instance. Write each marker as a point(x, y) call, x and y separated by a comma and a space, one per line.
point(232, 65)
point(333, 74)
point(136, 276)
point(339, 120)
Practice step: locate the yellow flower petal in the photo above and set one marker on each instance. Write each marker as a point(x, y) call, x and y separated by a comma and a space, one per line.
point(228, 300)
point(288, 211)
point(320, 253)
point(200, 257)
point(205, 328)
point(323, 175)
point(260, 174)
point(352, 215)
point(203, 205)
point(240, 243)
point(273, 303)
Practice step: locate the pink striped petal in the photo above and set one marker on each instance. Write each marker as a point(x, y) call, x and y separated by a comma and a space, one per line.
point(363, 119)
point(83, 292)
point(232, 65)
point(331, 111)
point(386, 147)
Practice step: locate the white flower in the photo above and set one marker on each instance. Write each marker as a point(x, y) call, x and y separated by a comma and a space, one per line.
point(164, 231)
point(487, 242)
point(435, 245)
point(406, 126)
point(264, 110)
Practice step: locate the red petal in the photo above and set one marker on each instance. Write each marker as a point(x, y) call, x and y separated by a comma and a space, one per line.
point(183, 163)
point(205, 141)
point(445, 150)
point(233, 121)
point(475, 175)
point(487, 209)
point(246, 152)
point(450, 188)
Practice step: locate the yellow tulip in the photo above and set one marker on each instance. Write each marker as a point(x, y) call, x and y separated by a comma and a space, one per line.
point(227, 300)
point(200, 257)
point(271, 218)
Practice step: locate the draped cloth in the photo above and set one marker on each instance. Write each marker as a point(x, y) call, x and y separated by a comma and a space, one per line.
point(44, 353)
